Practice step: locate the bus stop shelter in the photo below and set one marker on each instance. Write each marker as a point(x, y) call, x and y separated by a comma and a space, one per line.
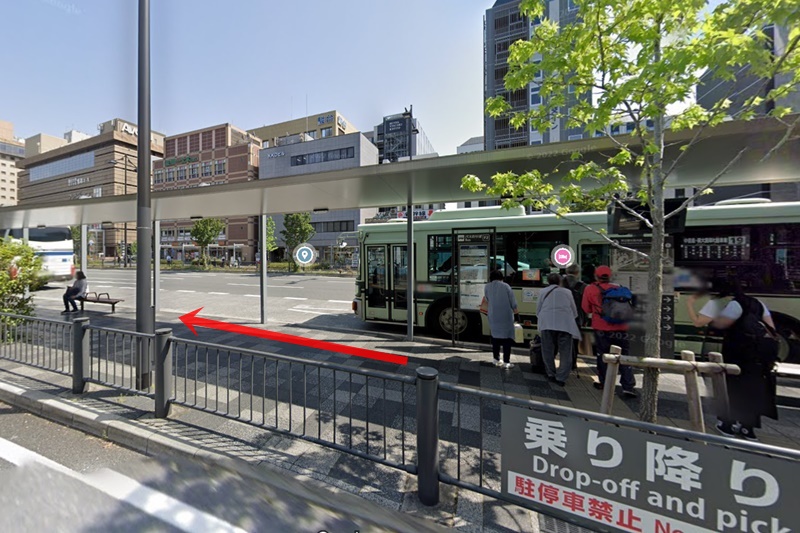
point(422, 181)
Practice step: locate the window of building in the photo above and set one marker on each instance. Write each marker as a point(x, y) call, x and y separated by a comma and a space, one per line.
point(194, 170)
point(219, 167)
point(171, 174)
point(181, 173)
point(97, 192)
point(158, 176)
point(312, 134)
point(538, 141)
point(536, 98)
point(327, 132)
point(334, 226)
point(575, 137)
point(62, 166)
point(206, 168)
point(322, 157)
point(571, 5)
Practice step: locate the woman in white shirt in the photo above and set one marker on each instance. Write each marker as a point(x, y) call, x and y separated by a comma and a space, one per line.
point(748, 342)
point(78, 290)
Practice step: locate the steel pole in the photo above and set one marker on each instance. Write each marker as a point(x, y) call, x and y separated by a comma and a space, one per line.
point(145, 322)
point(428, 435)
point(125, 230)
point(410, 309)
point(262, 244)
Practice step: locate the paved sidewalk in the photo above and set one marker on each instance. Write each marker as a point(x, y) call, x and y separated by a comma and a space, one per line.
point(203, 434)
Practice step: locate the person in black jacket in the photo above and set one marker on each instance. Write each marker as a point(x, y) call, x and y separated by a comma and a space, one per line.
point(749, 341)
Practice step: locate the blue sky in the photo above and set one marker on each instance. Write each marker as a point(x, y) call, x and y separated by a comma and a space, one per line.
point(247, 62)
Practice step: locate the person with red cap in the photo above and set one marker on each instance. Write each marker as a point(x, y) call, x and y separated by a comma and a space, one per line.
point(607, 333)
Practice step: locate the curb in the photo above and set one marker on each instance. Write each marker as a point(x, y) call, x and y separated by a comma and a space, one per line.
point(152, 443)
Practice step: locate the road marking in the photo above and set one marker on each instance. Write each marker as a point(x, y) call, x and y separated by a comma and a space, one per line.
point(122, 488)
point(340, 301)
point(293, 298)
point(258, 285)
point(337, 281)
point(103, 286)
point(183, 290)
point(220, 293)
point(252, 296)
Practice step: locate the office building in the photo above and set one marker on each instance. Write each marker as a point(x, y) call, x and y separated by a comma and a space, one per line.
point(503, 25)
point(320, 126)
point(311, 156)
point(212, 156)
point(473, 144)
point(745, 85)
point(98, 166)
point(400, 137)
point(11, 151)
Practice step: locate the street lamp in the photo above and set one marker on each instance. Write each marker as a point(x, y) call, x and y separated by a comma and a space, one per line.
point(127, 163)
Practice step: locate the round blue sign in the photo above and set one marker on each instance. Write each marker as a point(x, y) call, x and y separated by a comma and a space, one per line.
point(305, 254)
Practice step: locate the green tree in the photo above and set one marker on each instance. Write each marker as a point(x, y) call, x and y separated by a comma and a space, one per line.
point(20, 269)
point(639, 62)
point(298, 230)
point(204, 232)
point(272, 241)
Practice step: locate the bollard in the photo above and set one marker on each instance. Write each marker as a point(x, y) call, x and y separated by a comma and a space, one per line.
point(693, 394)
point(428, 435)
point(612, 370)
point(81, 356)
point(163, 356)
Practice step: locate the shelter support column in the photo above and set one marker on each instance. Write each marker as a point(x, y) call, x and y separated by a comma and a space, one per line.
point(412, 282)
point(262, 276)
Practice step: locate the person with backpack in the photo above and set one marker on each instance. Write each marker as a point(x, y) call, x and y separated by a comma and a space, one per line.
point(556, 312)
point(611, 307)
point(750, 342)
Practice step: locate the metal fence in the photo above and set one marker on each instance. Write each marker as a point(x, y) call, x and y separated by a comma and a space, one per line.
point(120, 359)
point(441, 432)
point(363, 412)
point(38, 342)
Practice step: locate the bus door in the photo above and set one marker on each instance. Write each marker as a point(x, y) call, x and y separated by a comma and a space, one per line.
point(377, 300)
point(398, 302)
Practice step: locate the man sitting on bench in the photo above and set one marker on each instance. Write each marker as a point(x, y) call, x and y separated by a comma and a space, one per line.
point(78, 290)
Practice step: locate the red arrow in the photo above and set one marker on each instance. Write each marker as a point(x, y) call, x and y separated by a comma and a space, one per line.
point(191, 320)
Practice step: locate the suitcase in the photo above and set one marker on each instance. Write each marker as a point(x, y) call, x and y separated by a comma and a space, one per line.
point(537, 363)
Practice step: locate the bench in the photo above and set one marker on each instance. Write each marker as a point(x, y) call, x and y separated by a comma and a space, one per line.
point(93, 297)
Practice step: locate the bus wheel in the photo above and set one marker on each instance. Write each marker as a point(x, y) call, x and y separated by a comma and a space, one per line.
point(789, 342)
point(444, 320)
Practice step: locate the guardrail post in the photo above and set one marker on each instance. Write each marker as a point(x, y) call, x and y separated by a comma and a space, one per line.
point(720, 385)
point(428, 435)
point(693, 394)
point(612, 370)
point(81, 356)
point(163, 372)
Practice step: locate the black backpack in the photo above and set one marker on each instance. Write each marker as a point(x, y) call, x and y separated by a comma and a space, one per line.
point(755, 330)
point(577, 295)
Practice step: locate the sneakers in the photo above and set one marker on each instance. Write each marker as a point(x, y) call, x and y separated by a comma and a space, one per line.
point(67, 311)
point(560, 383)
point(597, 385)
point(497, 362)
point(725, 428)
point(507, 366)
point(630, 393)
point(748, 434)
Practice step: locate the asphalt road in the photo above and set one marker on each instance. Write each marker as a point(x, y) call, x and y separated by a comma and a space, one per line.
point(58, 479)
point(291, 298)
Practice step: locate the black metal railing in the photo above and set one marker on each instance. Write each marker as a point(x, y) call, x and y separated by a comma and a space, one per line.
point(120, 359)
point(37, 342)
point(364, 412)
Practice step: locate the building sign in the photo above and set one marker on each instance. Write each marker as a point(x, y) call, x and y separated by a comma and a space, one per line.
point(342, 123)
point(611, 478)
point(321, 121)
point(130, 129)
point(275, 154)
point(562, 256)
point(72, 182)
point(180, 160)
point(395, 126)
point(419, 214)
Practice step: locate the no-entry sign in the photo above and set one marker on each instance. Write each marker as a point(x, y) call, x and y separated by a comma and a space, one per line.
point(562, 256)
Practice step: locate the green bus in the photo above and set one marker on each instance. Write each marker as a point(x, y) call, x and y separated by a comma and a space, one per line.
point(756, 243)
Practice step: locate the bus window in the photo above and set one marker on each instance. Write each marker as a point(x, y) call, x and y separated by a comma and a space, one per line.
point(440, 258)
point(525, 256)
point(591, 256)
point(376, 276)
